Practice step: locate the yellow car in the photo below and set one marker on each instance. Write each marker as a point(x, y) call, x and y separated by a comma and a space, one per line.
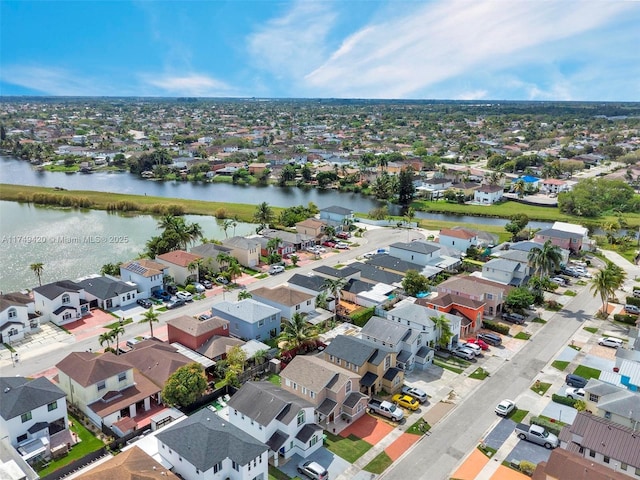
point(406, 401)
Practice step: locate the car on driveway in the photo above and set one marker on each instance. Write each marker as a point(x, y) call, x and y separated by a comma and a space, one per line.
point(162, 295)
point(473, 346)
point(492, 339)
point(313, 470)
point(610, 342)
point(575, 393)
point(574, 380)
point(207, 284)
point(343, 235)
point(405, 401)
point(632, 309)
point(199, 287)
point(481, 343)
point(143, 302)
point(342, 246)
point(329, 244)
point(513, 318)
point(222, 280)
point(416, 393)
point(505, 407)
point(559, 281)
point(465, 353)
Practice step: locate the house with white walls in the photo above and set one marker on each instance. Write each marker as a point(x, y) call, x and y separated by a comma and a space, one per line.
point(18, 317)
point(147, 274)
point(61, 302)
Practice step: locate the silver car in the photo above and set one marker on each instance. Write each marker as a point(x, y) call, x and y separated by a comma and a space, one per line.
point(465, 353)
point(313, 470)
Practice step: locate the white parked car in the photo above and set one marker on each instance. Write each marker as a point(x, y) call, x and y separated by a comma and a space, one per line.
point(610, 342)
point(186, 296)
point(505, 407)
point(575, 393)
point(465, 353)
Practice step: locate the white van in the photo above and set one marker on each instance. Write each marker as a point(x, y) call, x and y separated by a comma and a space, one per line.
point(275, 269)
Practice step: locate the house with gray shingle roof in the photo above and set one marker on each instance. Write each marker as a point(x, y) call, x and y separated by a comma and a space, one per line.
point(286, 299)
point(376, 364)
point(61, 302)
point(338, 217)
point(506, 271)
point(205, 445)
point(108, 292)
point(245, 250)
point(210, 252)
point(277, 417)
point(18, 316)
point(249, 319)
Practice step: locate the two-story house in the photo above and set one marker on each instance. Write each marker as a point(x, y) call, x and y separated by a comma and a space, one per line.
point(249, 319)
point(286, 299)
point(525, 247)
point(105, 387)
point(130, 464)
point(376, 364)
point(33, 416)
point(505, 271)
point(332, 390)
point(612, 402)
point(61, 302)
point(563, 464)
point(418, 252)
point(18, 316)
point(182, 265)
point(193, 333)
point(488, 194)
point(147, 274)
point(338, 217)
point(245, 250)
point(560, 238)
point(206, 446)
point(106, 293)
point(409, 343)
point(312, 227)
point(210, 253)
point(492, 294)
point(603, 442)
point(471, 311)
point(276, 417)
point(459, 238)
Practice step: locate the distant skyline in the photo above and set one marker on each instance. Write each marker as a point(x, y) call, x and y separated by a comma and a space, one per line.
point(574, 50)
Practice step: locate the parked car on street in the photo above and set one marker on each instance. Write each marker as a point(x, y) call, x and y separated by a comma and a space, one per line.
point(143, 302)
point(405, 401)
point(275, 269)
point(175, 303)
point(416, 393)
point(610, 342)
point(492, 339)
point(505, 407)
point(186, 296)
point(574, 380)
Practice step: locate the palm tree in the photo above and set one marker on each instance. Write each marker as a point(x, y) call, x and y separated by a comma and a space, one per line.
point(410, 215)
point(115, 333)
point(226, 225)
point(186, 232)
point(273, 244)
point(37, 269)
point(150, 316)
point(519, 187)
point(194, 267)
point(106, 337)
point(605, 283)
point(442, 326)
point(545, 259)
point(224, 259)
point(297, 331)
point(263, 215)
point(244, 295)
point(234, 270)
point(334, 286)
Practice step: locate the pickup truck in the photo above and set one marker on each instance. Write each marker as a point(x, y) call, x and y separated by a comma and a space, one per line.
point(386, 409)
point(537, 434)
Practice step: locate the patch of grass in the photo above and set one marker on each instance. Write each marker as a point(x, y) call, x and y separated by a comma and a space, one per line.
point(275, 379)
point(518, 415)
point(446, 366)
point(522, 336)
point(487, 450)
point(539, 320)
point(379, 464)
point(581, 283)
point(338, 266)
point(275, 474)
point(591, 329)
point(88, 443)
point(560, 364)
point(575, 347)
point(9, 347)
point(587, 372)
point(419, 428)
point(118, 323)
point(479, 374)
point(540, 387)
point(262, 275)
point(350, 448)
point(570, 293)
point(161, 309)
point(553, 420)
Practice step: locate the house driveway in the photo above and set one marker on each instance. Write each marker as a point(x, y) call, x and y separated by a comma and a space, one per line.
point(335, 464)
point(501, 432)
point(368, 428)
point(530, 452)
point(90, 325)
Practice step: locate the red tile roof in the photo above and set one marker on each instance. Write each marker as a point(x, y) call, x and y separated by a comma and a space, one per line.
point(179, 257)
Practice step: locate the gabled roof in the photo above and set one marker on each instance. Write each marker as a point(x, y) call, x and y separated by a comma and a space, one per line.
point(377, 275)
point(336, 272)
point(282, 294)
point(310, 282)
point(196, 327)
point(55, 289)
point(179, 257)
point(132, 464)
point(385, 330)
point(312, 223)
point(156, 360)
point(205, 439)
point(553, 233)
point(241, 243)
point(286, 237)
point(218, 345)
point(210, 250)
point(393, 263)
point(264, 402)
point(337, 210)
point(418, 313)
point(461, 233)
point(19, 395)
point(563, 464)
point(472, 285)
point(248, 310)
point(355, 350)
point(144, 267)
point(316, 374)
point(444, 300)
point(105, 287)
point(88, 368)
point(416, 247)
point(486, 188)
point(502, 264)
point(14, 299)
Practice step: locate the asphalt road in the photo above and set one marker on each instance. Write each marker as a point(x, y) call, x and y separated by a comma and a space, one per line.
point(437, 455)
point(50, 356)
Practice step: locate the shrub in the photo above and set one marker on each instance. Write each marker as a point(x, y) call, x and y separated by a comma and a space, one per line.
point(628, 319)
point(221, 213)
point(361, 317)
point(553, 305)
point(496, 327)
point(527, 467)
point(563, 400)
point(633, 301)
point(174, 209)
point(544, 423)
point(191, 289)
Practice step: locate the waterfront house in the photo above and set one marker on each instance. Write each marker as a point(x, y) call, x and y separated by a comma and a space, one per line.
point(338, 217)
point(18, 317)
point(566, 240)
point(33, 416)
point(553, 185)
point(418, 252)
point(206, 446)
point(193, 333)
point(249, 319)
point(61, 302)
point(209, 253)
point(276, 417)
point(245, 250)
point(312, 227)
point(488, 194)
point(106, 292)
point(289, 242)
point(506, 271)
point(147, 274)
point(182, 265)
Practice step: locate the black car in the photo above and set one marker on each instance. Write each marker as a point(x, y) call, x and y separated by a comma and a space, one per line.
point(143, 302)
point(175, 303)
point(172, 289)
point(490, 338)
point(575, 380)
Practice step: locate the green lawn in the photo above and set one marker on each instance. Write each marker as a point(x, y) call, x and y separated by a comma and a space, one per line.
point(540, 387)
point(379, 464)
point(419, 428)
point(350, 448)
point(275, 379)
point(522, 336)
point(488, 451)
point(587, 372)
point(446, 366)
point(275, 474)
point(560, 364)
point(88, 443)
point(262, 275)
point(591, 329)
point(117, 324)
point(538, 320)
point(479, 374)
point(517, 415)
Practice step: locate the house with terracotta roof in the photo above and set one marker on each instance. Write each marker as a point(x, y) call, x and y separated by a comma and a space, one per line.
point(105, 387)
point(276, 417)
point(488, 194)
point(331, 389)
point(18, 316)
point(147, 274)
point(603, 442)
point(61, 302)
point(312, 227)
point(471, 311)
point(458, 238)
point(178, 262)
point(553, 185)
point(193, 333)
point(33, 416)
point(492, 294)
point(288, 300)
point(131, 464)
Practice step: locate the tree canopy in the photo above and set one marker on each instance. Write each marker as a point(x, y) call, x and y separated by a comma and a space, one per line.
point(594, 196)
point(414, 283)
point(519, 298)
point(185, 385)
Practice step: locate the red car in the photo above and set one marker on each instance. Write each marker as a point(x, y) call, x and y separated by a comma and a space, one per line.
point(479, 342)
point(343, 235)
point(329, 244)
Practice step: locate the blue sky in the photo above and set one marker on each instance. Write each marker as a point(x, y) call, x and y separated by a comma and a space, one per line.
point(422, 49)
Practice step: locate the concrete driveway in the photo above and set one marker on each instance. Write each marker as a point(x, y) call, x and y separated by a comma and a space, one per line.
point(503, 430)
point(329, 460)
point(530, 452)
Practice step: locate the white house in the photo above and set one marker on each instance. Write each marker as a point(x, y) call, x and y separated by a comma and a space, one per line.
point(276, 417)
point(109, 293)
point(418, 252)
point(179, 263)
point(33, 416)
point(505, 271)
point(206, 446)
point(419, 318)
point(488, 194)
point(148, 275)
point(285, 298)
point(61, 302)
point(18, 316)
point(459, 238)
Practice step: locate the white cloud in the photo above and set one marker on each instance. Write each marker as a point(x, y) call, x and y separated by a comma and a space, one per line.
point(54, 81)
point(294, 44)
point(192, 84)
point(429, 44)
